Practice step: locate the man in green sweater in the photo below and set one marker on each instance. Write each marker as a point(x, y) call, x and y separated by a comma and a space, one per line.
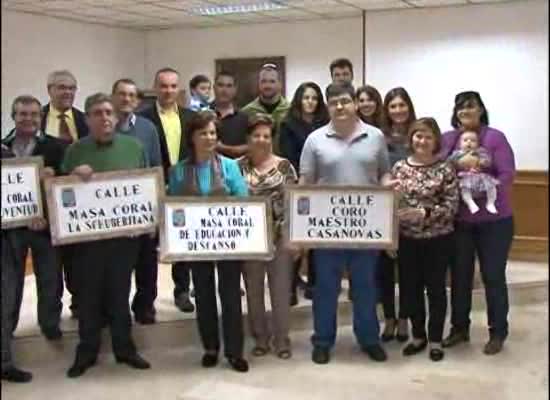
point(270, 101)
point(104, 267)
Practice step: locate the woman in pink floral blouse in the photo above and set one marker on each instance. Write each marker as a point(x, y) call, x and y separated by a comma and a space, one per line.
point(427, 209)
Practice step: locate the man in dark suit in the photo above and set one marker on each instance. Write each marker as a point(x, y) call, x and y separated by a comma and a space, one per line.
point(61, 120)
point(26, 141)
point(170, 120)
point(9, 266)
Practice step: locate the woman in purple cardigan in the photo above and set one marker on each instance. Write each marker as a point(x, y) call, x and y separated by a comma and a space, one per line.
point(487, 235)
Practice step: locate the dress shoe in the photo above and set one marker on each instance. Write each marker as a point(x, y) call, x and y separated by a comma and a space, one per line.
point(209, 360)
point(493, 346)
point(402, 331)
point(79, 367)
point(52, 333)
point(436, 354)
point(134, 361)
point(145, 318)
point(13, 374)
point(456, 337)
point(300, 283)
point(238, 364)
point(402, 337)
point(320, 355)
point(414, 348)
point(293, 299)
point(184, 303)
point(74, 313)
point(308, 293)
point(375, 352)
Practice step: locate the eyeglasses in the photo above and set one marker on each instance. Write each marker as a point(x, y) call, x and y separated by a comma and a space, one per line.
point(343, 102)
point(26, 114)
point(66, 88)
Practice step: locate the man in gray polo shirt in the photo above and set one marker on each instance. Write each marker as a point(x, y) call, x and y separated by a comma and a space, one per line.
point(345, 152)
point(124, 96)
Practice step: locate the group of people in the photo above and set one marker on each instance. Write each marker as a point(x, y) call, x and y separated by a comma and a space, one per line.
point(454, 205)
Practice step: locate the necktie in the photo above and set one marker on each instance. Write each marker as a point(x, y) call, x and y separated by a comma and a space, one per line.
point(64, 131)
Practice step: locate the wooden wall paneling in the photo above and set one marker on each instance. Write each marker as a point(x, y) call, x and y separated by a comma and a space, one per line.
point(530, 203)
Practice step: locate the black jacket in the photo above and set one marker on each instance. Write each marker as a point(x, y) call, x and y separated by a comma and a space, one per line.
point(50, 148)
point(79, 121)
point(152, 114)
point(292, 137)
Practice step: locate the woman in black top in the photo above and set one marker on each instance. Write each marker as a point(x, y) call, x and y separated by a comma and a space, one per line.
point(399, 114)
point(307, 113)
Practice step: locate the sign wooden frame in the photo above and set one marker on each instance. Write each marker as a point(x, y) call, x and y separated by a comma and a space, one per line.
point(37, 162)
point(348, 244)
point(166, 257)
point(157, 172)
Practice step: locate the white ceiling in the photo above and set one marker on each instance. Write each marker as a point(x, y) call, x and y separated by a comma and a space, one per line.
point(164, 14)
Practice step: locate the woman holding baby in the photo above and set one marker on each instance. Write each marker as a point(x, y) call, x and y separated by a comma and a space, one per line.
point(484, 228)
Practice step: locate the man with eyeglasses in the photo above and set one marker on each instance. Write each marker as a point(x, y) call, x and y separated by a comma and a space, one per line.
point(270, 100)
point(345, 152)
point(10, 264)
point(28, 141)
point(60, 118)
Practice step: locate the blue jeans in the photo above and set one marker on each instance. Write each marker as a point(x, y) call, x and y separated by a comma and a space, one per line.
point(329, 267)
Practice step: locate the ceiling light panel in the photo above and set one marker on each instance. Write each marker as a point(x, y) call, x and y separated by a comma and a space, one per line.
point(237, 7)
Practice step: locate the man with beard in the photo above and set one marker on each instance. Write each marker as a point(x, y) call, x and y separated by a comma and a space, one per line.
point(270, 101)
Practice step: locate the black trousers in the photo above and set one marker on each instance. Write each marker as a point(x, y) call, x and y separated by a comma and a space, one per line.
point(386, 278)
point(491, 241)
point(67, 253)
point(9, 266)
point(181, 275)
point(103, 275)
point(310, 272)
point(229, 287)
point(47, 271)
point(146, 273)
point(423, 266)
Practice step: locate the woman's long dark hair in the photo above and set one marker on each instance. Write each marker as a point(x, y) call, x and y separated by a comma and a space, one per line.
point(377, 118)
point(392, 94)
point(198, 121)
point(464, 99)
point(296, 112)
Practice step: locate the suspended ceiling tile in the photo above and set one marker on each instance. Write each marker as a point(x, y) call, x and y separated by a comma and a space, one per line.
point(95, 11)
point(314, 3)
point(437, 3)
point(109, 3)
point(180, 5)
point(379, 4)
point(150, 10)
point(291, 13)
